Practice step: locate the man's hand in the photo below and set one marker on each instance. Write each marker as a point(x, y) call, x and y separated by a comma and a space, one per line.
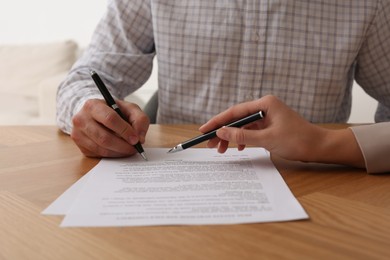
point(99, 131)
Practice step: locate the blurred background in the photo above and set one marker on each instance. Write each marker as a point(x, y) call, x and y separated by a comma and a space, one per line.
point(41, 21)
point(40, 40)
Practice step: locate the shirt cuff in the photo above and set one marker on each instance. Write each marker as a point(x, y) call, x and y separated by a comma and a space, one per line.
point(374, 142)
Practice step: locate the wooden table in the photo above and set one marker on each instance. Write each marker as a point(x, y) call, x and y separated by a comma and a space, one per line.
point(349, 210)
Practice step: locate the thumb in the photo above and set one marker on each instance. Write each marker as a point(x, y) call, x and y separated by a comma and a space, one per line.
point(239, 135)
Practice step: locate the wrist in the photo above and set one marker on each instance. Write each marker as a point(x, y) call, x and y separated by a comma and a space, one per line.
point(340, 147)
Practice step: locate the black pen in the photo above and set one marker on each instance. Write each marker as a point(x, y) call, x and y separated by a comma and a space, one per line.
point(111, 102)
point(213, 133)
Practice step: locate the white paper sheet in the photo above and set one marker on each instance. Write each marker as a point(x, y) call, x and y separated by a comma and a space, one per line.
point(193, 187)
point(64, 202)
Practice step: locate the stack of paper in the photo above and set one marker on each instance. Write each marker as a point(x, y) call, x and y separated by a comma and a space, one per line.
point(194, 187)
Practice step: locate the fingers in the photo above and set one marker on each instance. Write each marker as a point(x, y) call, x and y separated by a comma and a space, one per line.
point(99, 131)
point(216, 142)
point(109, 118)
point(92, 148)
point(222, 143)
point(137, 118)
point(223, 146)
point(282, 132)
point(244, 135)
point(232, 114)
point(240, 136)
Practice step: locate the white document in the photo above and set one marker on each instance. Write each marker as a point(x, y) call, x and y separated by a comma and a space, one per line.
point(64, 202)
point(193, 187)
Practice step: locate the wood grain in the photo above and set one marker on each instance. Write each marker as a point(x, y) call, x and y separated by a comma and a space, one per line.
point(349, 209)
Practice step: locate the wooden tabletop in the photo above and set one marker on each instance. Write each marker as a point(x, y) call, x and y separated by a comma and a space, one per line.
point(349, 210)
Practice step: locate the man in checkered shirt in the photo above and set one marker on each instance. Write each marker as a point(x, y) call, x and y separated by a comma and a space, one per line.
point(280, 56)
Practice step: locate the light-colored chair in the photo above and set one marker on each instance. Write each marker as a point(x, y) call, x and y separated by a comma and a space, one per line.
point(29, 78)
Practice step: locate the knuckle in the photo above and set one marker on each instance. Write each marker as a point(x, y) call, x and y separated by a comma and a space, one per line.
point(78, 121)
point(230, 112)
point(125, 130)
point(240, 136)
point(104, 140)
point(89, 104)
point(271, 98)
point(89, 130)
point(110, 118)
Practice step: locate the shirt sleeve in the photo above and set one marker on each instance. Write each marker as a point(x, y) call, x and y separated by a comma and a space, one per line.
point(121, 51)
point(373, 61)
point(374, 142)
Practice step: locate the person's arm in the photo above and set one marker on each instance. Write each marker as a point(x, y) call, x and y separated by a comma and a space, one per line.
point(285, 133)
point(372, 74)
point(122, 52)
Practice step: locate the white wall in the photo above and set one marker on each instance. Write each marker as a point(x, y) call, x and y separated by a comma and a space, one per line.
point(24, 21)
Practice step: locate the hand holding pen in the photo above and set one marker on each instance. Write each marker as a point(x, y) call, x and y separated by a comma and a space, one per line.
point(111, 102)
point(286, 134)
point(99, 131)
point(213, 133)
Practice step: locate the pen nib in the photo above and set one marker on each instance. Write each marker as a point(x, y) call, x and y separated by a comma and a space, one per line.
point(172, 150)
point(175, 149)
point(144, 156)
